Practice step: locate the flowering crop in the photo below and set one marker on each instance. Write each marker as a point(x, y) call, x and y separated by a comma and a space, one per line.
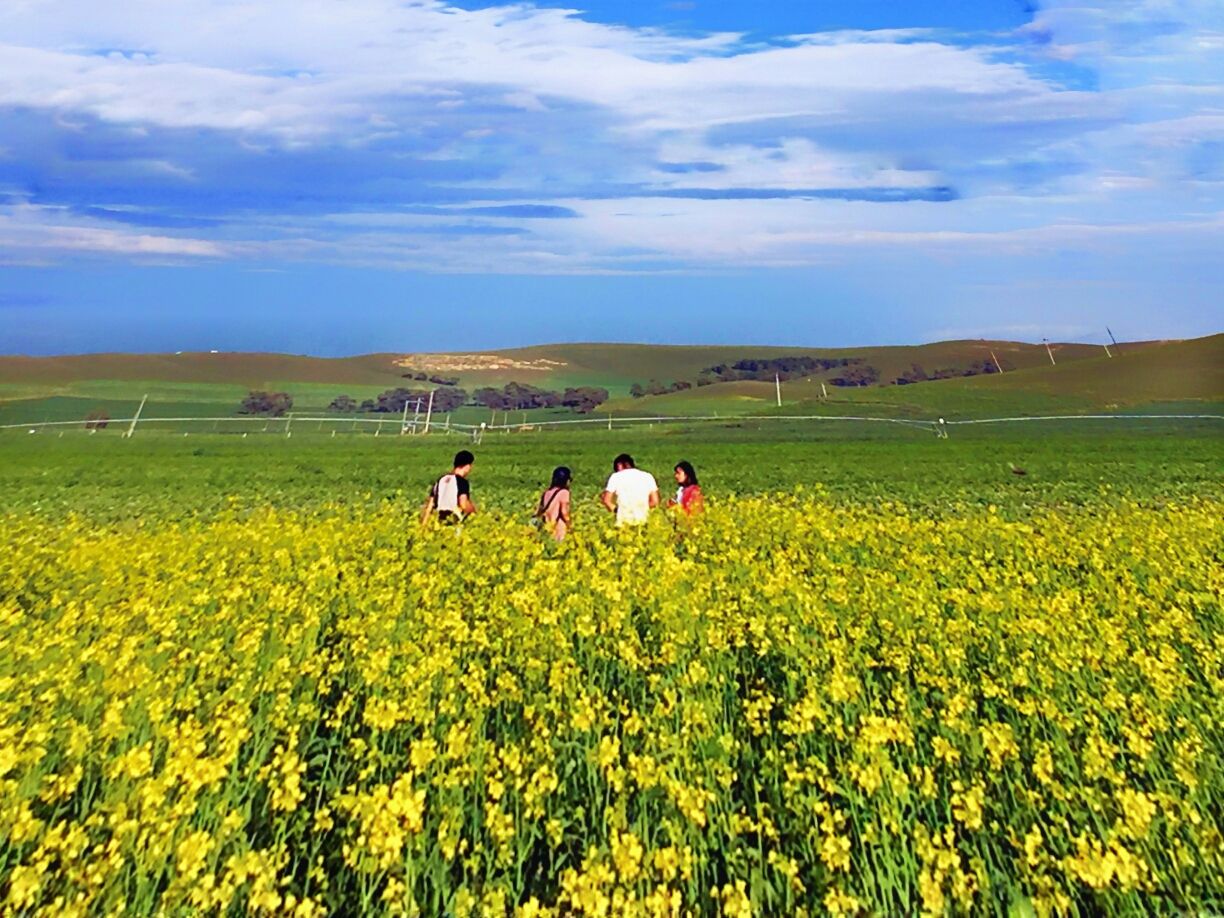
point(799, 706)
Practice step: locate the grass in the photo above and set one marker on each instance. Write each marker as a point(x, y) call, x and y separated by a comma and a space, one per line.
point(1063, 462)
point(1181, 371)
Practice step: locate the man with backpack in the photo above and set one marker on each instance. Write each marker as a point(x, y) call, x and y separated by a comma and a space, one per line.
point(450, 498)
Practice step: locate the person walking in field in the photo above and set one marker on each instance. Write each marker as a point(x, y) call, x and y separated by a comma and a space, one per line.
point(450, 498)
point(688, 492)
point(553, 511)
point(630, 492)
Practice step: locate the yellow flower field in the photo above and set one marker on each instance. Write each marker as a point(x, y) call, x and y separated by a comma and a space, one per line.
point(800, 707)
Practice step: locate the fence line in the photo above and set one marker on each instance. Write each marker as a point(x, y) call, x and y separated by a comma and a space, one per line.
point(921, 424)
point(1094, 417)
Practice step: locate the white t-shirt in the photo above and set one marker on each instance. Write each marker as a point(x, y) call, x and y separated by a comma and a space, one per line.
point(632, 488)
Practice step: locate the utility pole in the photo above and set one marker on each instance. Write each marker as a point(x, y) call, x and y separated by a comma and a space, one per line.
point(132, 427)
point(429, 410)
point(998, 365)
point(1046, 342)
point(778, 388)
point(404, 419)
point(824, 393)
point(416, 414)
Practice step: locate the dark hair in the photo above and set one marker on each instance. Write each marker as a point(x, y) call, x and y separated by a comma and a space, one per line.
point(690, 473)
point(561, 477)
point(624, 460)
point(462, 458)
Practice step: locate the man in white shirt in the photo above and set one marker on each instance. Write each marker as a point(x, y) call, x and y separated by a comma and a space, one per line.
point(630, 492)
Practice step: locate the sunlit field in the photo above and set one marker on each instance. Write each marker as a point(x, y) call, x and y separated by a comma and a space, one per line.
point(885, 674)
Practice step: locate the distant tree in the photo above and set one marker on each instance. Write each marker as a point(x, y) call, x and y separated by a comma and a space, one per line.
point(914, 374)
point(448, 398)
point(857, 375)
point(490, 398)
point(584, 399)
point(343, 403)
point(762, 368)
point(367, 405)
point(97, 419)
point(273, 404)
point(393, 401)
point(522, 397)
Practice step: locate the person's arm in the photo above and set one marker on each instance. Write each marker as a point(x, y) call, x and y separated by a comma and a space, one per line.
point(427, 509)
point(466, 505)
point(654, 498)
point(696, 502)
point(608, 499)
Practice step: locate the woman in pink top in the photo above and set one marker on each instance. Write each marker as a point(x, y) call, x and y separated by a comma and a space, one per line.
point(554, 508)
point(688, 493)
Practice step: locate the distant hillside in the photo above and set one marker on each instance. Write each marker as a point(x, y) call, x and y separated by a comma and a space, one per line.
point(616, 366)
point(1084, 377)
point(1148, 373)
point(198, 367)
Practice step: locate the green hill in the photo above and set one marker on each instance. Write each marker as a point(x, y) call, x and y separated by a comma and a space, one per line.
point(1155, 372)
point(40, 388)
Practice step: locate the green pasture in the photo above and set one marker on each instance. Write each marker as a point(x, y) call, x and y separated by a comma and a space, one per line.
point(169, 474)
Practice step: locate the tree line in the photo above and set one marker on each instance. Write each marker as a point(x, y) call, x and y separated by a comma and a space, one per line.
point(916, 374)
point(513, 396)
point(856, 373)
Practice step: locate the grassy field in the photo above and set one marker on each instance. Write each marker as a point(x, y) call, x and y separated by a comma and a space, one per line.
point(886, 674)
point(1186, 371)
point(1063, 462)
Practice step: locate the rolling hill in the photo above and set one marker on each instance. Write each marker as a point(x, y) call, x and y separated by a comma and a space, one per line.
point(1151, 373)
point(1084, 378)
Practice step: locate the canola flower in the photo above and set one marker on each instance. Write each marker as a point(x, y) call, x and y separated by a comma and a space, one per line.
point(800, 707)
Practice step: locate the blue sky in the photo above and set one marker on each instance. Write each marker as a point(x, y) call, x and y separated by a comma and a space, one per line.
point(373, 175)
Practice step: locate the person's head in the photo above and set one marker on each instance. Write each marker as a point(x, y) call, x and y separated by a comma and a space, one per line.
point(621, 462)
point(463, 462)
point(561, 477)
point(685, 473)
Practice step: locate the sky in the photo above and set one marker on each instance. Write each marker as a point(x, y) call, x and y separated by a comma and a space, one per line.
point(347, 176)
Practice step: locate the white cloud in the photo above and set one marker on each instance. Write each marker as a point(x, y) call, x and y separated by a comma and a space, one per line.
point(279, 67)
point(30, 231)
point(553, 100)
